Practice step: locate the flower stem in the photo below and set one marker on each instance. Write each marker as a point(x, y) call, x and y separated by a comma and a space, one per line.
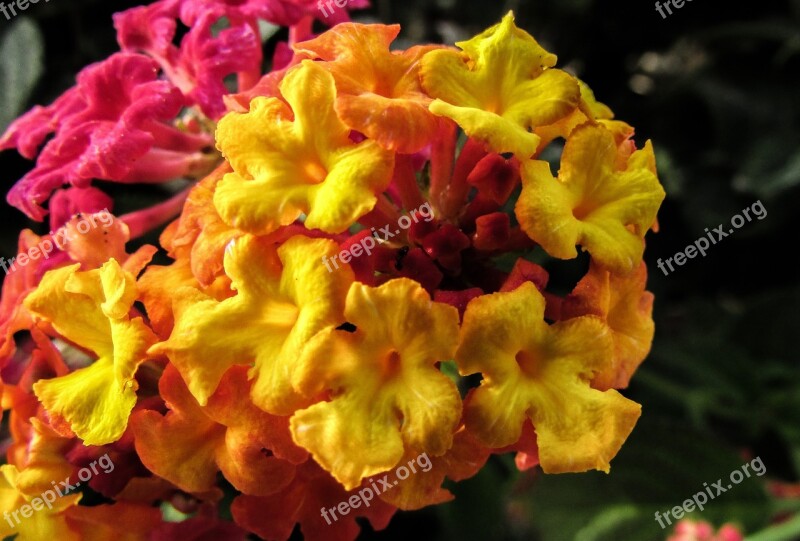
point(786, 531)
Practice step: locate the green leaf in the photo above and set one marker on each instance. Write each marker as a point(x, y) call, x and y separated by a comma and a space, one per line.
point(768, 173)
point(21, 52)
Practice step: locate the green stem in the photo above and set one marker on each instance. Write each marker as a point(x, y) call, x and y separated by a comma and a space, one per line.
point(787, 531)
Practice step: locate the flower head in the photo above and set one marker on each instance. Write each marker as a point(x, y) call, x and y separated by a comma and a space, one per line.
point(315, 329)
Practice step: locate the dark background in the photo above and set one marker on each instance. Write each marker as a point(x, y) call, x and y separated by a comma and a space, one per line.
point(715, 86)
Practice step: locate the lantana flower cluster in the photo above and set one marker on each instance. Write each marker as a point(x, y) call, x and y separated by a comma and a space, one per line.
point(245, 368)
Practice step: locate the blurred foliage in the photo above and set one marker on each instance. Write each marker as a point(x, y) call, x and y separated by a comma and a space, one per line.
point(716, 87)
point(20, 67)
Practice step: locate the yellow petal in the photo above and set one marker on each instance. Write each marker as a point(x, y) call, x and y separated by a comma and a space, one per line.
point(91, 309)
point(295, 159)
point(542, 372)
point(284, 297)
point(388, 393)
point(91, 401)
point(44, 523)
point(354, 436)
point(500, 88)
point(605, 210)
point(73, 315)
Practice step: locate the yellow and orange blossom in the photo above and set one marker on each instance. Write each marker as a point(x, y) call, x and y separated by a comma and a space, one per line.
point(532, 370)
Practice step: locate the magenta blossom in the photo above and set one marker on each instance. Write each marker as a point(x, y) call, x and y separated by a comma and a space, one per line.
point(113, 125)
point(121, 121)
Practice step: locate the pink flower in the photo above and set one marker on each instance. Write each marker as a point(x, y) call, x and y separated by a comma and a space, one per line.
point(205, 58)
point(199, 66)
point(113, 125)
point(690, 530)
point(118, 122)
point(66, 203)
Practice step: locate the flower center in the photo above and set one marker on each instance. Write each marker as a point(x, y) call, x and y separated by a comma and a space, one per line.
point(530, 365)
point(392, 364)
point(315, 172)
point(583, 210)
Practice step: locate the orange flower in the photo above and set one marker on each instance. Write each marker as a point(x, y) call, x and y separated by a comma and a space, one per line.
point(378, 90)
point(311, 492)
point(190, 444)
point(159, 283)
point(625, 306)
point(201, 229)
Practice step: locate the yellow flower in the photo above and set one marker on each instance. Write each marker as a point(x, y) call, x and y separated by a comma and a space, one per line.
point(91, 309)
point(284, 297)
point(592, 203)
point(44, 458)
point(295, 159)
point(500, 88)
point(541, 372)
point(589, 110)
point(387, 393)
point(27, 516)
